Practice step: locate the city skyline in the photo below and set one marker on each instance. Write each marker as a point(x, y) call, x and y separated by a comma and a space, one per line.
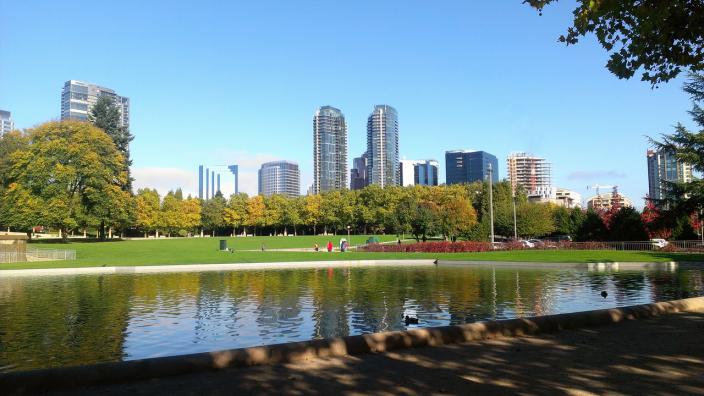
point(445, 97)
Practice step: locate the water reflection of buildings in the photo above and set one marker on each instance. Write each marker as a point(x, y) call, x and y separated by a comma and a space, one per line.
point(106, 318)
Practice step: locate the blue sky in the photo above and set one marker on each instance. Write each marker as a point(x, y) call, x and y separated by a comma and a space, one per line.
point(238, 82)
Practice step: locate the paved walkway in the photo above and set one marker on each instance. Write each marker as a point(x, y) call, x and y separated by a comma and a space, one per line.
point(660, 356)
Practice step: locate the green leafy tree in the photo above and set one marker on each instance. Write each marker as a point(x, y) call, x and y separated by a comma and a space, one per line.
point(663, 38)
point(423, 221)
point(312, 214)
point(256, 212)
point(72, 171)
point(627, 225)
point(683, 199)
point(567, 221)
point(147, 206)
point(9, 143)
point(106, 116)
point(213, 213)
point(534, 220)
point(235, 214)
point(592, 228)
point(170, 212)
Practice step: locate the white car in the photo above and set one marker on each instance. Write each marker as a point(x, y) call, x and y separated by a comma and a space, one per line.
point(659, 242)
point(528, 244)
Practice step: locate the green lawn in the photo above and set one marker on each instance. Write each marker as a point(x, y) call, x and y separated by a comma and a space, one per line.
point(205, 251)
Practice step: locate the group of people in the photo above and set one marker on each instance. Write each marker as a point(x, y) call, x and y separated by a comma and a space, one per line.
point(344, 245)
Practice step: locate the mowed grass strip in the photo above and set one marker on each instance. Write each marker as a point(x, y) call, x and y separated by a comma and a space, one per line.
point(205, 251)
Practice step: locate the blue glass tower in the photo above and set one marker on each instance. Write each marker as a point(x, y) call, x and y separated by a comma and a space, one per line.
point(464, 166)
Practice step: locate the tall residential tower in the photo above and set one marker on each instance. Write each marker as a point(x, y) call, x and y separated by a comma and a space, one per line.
point(382, 146)
point(329, 150)
point(6, 123)
point(663, 167)
point(78, 99)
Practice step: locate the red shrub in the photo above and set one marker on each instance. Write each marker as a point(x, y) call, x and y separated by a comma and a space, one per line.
point(430, 247)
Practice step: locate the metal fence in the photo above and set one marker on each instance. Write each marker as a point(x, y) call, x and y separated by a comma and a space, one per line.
point(670, 246)
point(33, 254)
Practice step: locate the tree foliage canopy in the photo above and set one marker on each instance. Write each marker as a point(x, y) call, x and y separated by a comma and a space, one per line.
point(69, 174)
point(662, 37)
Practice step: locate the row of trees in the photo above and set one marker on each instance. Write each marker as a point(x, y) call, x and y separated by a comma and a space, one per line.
point(72, 177)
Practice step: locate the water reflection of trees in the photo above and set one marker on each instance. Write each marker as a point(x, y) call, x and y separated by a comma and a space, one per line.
point(83, 319)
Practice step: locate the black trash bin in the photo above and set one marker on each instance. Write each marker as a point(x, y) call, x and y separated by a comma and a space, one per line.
point(223, 245)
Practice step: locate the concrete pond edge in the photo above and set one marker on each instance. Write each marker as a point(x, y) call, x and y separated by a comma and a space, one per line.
point(24, 382)
point(148, 269)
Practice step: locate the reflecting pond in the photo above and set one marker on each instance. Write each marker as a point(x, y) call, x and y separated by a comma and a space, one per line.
point(67, 320)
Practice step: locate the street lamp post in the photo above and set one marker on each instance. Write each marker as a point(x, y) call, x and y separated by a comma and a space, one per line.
point(515, 227)
point(348, 234)
point(491, 202)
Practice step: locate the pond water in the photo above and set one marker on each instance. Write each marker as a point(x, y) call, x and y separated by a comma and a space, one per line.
point(55, 321)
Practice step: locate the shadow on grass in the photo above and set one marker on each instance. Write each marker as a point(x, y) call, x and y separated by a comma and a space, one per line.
point(73, 241)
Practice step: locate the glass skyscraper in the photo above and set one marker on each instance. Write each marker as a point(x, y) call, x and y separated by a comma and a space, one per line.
point(280, 177)
point(78, 99)
point(423, 172)
point(382, 147)
point(358, 174)
point(329, 150)
point(663, 166)
point(466, 166)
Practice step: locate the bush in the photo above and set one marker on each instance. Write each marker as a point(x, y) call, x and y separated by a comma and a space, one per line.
point(430, 247)
point(182, 233)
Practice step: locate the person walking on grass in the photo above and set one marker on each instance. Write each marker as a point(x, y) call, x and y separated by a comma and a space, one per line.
point(329, 246)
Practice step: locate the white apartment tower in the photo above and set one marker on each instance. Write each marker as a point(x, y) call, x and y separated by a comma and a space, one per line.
point(382, 147)
point(6, 123)
point(78, 99)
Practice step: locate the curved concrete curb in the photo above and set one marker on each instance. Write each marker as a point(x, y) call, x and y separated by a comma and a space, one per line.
point(47, 379)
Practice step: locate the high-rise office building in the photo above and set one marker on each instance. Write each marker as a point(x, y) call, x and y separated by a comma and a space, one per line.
point(423, 172)
point(382, 146)
point(6, 123)
point(358, 175)
point(78, 99)
point(207, 183)
point(467, 166)
point(236, 172)
point(532, 173)
point(212, 182)
point(200, 181)
point(663, 166)
point(280, 177)
point(329, 150)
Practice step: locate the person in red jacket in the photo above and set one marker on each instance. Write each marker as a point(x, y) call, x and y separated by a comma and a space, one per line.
point(329, 246)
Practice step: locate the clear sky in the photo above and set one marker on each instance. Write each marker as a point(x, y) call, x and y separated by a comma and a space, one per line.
point(238, 82)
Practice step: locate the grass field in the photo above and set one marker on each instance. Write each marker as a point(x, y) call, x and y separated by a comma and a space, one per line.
point(205, 251)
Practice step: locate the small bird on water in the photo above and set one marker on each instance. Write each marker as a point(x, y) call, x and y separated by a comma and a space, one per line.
point(604, 294)
point(410, 320)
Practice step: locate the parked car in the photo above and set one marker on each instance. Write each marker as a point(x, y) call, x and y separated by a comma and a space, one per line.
point(527, 243)
point(536, 242)
point(659, 243)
